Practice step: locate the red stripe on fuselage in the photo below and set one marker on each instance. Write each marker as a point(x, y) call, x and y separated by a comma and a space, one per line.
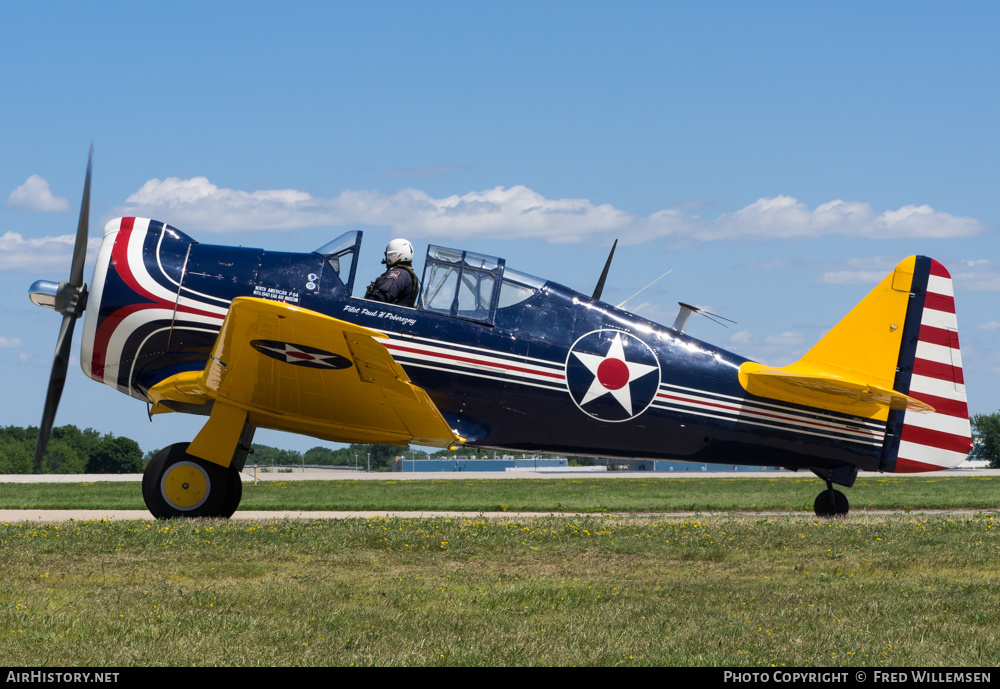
point(119, 261)
point(779, 417)
point(106, 330)
point(477, 362)
point(119, 258)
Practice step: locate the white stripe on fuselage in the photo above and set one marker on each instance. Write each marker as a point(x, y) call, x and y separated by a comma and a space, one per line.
point(169, 279)
point(491, 365)
point(137, 264)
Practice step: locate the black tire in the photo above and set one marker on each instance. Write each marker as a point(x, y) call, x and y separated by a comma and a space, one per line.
point(825, 507)
point(176, 484)
point(235, 493)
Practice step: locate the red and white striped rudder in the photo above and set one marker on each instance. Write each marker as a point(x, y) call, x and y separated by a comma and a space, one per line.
point(930, 366)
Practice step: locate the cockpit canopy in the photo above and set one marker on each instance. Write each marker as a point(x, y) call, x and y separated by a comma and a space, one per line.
point(457, 283)
point(341, 254)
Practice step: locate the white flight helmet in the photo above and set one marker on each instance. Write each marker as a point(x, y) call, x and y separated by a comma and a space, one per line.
point(398, 251)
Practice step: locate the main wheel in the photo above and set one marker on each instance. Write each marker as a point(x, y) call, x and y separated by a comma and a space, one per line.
point(235, 493)
point(176, 484)
point(831, 503)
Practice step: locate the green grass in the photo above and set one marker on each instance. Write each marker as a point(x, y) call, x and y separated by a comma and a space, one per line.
point(544, 495)
point(866, 591)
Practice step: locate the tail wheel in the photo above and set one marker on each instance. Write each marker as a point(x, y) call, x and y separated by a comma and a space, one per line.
point(831, 503)
point(176, 484)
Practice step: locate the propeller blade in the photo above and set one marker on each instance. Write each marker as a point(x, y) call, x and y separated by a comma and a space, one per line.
point(82, 228)
point(57, 379)
point(70, 300)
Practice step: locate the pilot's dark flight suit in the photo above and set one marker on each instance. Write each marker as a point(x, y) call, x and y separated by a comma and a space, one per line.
point(398, 285)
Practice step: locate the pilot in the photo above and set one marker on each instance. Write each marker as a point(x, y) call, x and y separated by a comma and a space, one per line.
point(398, 284)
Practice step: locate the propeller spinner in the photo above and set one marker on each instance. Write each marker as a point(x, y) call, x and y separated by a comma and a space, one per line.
point(70, 299)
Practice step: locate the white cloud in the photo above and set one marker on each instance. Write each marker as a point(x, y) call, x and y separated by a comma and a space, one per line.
point(41, 255)
point(777, 262)
point(658, 313)
point(518, 212)
point(35, 195)
point(786, 339)
point(973, 276)
point(992, 325)
point(783, 217)
point(977, 276)
point(9, 342)
point(774, 350)
point(859, 271)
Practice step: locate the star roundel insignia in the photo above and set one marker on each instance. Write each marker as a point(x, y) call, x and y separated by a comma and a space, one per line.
point(612, 375)
point(300, 355)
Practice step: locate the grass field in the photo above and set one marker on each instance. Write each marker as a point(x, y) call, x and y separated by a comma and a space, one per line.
point(864, 591)
point(894, 590)
point(545, 495)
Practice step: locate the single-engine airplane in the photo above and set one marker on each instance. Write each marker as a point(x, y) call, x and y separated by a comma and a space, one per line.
point(489, 357)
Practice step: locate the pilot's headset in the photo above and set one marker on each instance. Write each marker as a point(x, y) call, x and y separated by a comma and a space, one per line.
point(398, 251)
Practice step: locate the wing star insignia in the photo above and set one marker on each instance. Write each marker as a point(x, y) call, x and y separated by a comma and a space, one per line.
point(300, 355)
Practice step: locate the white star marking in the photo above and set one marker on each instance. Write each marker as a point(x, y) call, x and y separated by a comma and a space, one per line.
point(294, 355)
point(613, 374)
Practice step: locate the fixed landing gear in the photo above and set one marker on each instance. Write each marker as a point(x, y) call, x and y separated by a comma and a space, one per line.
point(831, 503)
point(176, 484)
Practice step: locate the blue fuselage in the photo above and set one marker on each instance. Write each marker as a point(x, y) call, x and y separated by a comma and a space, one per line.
point(538, 367)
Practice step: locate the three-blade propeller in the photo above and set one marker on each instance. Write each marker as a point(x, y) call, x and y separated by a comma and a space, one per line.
point(70, 301)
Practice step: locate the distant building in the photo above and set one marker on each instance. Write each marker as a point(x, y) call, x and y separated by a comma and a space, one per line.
point(472, 464)
point(508, 463)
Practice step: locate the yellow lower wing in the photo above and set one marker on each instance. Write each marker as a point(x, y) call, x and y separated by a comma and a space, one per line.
point(286, 368)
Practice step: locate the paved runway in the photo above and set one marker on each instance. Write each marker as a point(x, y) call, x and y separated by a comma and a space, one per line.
point(249, 475)
point(13, 516)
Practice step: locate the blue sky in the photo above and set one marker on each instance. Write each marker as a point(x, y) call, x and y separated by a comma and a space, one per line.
point(780, 157)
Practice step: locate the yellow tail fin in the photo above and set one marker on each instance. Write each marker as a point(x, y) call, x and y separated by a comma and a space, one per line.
point(853, 368)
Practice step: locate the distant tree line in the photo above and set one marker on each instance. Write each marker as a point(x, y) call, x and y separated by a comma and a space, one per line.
point(986, 438)
point(352, 455)
point(70, 451)
point(358, 455)
point(74, 451)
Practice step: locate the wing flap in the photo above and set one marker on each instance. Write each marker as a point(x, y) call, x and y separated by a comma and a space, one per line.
point(300, 371)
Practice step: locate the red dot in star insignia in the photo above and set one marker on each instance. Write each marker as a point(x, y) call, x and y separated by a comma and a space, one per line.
point(613, 374)
point(301, 355)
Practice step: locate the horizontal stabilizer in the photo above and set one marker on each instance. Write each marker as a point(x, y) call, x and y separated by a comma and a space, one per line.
point(828, 392)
